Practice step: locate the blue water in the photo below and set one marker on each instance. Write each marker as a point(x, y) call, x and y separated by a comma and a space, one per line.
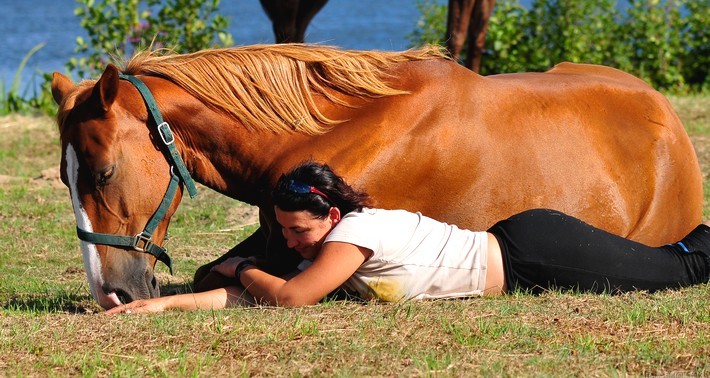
point(356, 24)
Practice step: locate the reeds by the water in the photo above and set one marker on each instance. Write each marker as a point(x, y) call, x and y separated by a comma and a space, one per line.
point(13, 99)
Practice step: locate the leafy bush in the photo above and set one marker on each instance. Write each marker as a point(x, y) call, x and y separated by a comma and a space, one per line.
point(695, 56)
point(432, 25)
point(571, 30)
point(13, 101)
point(120, 27)
point(653, 32)
point(664, 42)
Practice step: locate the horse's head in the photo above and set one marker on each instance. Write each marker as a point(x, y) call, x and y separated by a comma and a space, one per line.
point(117, 177)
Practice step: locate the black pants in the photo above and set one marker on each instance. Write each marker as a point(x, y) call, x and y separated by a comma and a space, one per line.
point(545, 249)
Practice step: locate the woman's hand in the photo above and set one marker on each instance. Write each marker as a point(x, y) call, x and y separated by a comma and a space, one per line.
point(139, 306)
point(207, 300)
point(228, 267)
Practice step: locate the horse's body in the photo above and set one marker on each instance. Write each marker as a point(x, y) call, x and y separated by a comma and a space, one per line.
point(469, 150)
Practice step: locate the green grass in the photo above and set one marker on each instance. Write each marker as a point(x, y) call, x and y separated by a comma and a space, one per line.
point(50, 326)
point(693, 111)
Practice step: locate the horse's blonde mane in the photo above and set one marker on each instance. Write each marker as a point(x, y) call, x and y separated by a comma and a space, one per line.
point(273, 86)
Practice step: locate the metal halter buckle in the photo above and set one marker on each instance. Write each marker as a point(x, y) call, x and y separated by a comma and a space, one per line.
point(141, 242)
point(166, 134)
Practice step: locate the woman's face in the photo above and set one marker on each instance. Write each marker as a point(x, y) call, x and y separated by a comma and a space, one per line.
point(305, 232)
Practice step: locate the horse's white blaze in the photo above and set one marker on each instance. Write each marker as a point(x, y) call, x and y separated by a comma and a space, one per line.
point(92, 262)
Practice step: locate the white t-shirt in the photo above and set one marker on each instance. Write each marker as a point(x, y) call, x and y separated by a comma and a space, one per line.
point(414, 257)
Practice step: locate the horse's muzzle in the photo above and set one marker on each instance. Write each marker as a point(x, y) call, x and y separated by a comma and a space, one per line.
point(143, 285)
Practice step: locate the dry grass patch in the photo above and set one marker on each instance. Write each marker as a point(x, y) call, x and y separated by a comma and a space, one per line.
point(554, 334)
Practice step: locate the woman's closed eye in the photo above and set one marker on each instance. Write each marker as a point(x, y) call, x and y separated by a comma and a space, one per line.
point(294, 230)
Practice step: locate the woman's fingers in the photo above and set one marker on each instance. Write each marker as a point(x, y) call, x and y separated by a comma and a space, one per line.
point(123, 309)
point(133, 307)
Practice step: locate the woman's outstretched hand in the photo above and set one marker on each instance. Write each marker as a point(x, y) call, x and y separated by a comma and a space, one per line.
point(139, 306)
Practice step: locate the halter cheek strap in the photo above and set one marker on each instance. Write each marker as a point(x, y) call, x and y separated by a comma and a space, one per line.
point(165, 133)
point(142, 242)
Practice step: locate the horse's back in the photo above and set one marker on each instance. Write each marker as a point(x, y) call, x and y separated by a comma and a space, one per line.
point(597, 72)
point(589, 140)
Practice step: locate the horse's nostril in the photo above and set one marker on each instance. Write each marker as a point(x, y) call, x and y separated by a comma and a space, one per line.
point(154, 282)
point(123, 296)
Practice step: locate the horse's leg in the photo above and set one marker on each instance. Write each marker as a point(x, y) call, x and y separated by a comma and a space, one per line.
point(306, 11)
point(459, 16)
point(477, 30)
point(205, 280)
point(282, 14)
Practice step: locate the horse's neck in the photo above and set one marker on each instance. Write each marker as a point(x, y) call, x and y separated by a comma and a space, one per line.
point(226, 156)
point(223, 155)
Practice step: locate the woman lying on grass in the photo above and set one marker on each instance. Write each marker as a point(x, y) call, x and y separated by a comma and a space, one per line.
point(395, 255)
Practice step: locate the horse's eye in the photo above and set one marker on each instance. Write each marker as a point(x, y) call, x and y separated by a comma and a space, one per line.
point(103, 176)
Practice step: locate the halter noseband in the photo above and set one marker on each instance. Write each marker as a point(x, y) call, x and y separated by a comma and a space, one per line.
point(141, 242)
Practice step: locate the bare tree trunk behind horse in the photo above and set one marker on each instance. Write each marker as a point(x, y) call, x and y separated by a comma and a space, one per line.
point(467, 19)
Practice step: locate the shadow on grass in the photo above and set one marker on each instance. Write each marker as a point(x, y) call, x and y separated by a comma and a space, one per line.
point(176, 288)
point(72, 303)
point(67, 302)
point(337, 295)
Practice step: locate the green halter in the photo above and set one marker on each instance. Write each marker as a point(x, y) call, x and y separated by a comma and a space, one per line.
point(141, 242)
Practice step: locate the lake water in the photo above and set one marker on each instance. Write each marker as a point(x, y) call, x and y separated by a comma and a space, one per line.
point(356, 24)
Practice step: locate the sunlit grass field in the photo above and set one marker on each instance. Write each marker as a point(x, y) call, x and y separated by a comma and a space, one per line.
point(50, 326)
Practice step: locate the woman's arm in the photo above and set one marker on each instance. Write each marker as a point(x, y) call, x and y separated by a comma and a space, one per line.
point(208, 300)
point(335, 263)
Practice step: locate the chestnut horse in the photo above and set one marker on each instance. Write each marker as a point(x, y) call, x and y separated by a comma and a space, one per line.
point(413, 129)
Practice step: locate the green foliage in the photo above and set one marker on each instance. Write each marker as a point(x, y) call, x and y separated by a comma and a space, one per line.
point(653, 32)
point(431, 25)
point(570, 30)
point(695, 57)
point(119, 28)
point(508, 40)
point(664, 42)
point(13, 101)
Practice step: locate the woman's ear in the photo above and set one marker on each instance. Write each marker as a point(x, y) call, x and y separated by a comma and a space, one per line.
point(334, 215)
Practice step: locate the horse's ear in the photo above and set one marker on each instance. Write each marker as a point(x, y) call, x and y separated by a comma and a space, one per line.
point(61, 86)
point(106, 88)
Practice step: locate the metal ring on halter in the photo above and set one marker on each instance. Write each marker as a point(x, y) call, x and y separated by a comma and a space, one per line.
point(166, 134)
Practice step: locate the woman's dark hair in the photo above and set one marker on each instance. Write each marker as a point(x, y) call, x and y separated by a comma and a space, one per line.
point(315, 187)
